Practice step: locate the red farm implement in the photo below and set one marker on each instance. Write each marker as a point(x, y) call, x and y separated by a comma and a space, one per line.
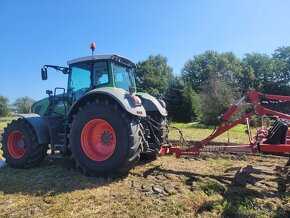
point(274, 140)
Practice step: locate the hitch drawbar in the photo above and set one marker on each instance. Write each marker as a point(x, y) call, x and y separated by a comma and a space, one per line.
point(275, 140)
point(170, 149)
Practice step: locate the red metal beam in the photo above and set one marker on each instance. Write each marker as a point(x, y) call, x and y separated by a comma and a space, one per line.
point(275, 148)
point(169, 149)
point(255, 98)
point(225, 126)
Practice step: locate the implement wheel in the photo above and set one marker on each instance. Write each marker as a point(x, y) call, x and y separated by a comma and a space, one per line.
point(20, 146)
point(104, 139)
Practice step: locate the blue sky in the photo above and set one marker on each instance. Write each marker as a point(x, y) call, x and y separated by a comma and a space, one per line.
point(34, 33)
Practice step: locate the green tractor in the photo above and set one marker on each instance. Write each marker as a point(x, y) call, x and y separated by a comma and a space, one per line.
point(100, 120)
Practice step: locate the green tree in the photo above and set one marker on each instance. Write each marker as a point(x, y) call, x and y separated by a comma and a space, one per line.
point(281, 61)
point(197, 70)
point(4, 106)
point(257, 72)
point(23, 104)
point(216, 97)
point(182, 101)
point(153, 75)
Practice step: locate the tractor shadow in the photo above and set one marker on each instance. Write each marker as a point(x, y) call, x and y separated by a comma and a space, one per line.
point(52, 177)
point(238, 186)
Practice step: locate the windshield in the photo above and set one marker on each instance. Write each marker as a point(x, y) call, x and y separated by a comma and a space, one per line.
point(124, 77)
point(79, 80)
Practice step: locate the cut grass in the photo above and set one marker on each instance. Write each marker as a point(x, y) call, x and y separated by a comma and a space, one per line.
point(188, 188)
point(212, 185)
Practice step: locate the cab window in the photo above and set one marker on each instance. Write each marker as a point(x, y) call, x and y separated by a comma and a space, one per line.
point(100, 73)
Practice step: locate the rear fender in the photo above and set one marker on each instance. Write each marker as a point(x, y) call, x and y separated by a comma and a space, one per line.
point(120, 96)
point(39, 124)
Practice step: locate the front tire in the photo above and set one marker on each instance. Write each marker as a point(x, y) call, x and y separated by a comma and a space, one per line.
point(161, 122)
point(104, 139)
point(20, 146)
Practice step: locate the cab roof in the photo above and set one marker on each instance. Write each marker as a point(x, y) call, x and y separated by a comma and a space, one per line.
point(113, 57)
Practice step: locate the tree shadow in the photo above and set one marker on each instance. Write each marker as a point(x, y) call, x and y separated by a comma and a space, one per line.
point(237, 193)
point(52, 177)
point(283, 179)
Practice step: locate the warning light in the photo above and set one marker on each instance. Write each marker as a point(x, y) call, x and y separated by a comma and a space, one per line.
point(93, 46)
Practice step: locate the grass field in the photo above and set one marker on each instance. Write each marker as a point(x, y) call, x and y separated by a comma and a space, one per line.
point(207, 186)
point(197, 132)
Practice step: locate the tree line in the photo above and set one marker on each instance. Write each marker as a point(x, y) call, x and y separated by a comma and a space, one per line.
point(20, 105)
point(207, 85)
point(211, 81)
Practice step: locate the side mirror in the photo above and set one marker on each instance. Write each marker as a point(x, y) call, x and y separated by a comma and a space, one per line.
point(44, 73)
point(49, 92)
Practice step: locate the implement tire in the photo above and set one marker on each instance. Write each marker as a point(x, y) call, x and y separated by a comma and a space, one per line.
point(104, 139)
point(20, 146)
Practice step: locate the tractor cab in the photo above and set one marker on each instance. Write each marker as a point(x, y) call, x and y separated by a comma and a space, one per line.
point(90, 73)
point(86, 74)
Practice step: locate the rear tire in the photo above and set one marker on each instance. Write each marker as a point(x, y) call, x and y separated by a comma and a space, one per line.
point(105, 140)
point(20, 146)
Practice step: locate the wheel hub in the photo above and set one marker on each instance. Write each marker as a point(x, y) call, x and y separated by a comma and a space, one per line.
point(107, 137)
point(21, 144)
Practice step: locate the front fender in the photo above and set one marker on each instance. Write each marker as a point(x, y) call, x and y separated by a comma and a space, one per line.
point(39, 124)
point(150, 103)
point(120, 96)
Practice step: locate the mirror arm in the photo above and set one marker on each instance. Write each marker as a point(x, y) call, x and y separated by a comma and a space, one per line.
point(64, 70)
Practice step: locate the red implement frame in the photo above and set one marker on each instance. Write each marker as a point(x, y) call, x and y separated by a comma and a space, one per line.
point(256, 145)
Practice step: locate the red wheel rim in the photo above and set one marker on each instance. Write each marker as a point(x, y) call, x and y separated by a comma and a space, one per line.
point(16, 144)
point(98, 140)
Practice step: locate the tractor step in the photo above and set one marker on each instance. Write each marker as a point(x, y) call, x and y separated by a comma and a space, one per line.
point(57, 156)
point(57, 149)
